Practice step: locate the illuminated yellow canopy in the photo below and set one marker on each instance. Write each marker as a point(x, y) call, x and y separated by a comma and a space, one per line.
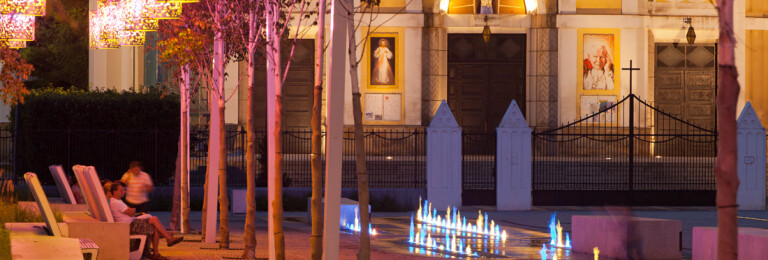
point(17, 27)
point(25, 7)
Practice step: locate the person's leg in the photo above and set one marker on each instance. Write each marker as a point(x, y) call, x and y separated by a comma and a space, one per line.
point(156, 243)
point(159, 227)
point(143, 207)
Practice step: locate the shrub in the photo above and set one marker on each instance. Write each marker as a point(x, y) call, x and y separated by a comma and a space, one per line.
point(106, 129)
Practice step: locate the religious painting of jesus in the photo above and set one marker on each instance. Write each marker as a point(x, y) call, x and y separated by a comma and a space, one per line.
point(382, 63)
point(598, 62)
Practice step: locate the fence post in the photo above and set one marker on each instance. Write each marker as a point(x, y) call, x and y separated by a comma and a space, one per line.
point(444, 159)
point(513, 161)
point(751, 160)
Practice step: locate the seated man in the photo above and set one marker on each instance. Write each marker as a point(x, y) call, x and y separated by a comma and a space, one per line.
point(141, 225)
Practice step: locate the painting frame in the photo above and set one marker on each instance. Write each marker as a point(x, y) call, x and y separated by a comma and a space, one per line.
point(593, 104)
point(367, 63)
point(586, 49)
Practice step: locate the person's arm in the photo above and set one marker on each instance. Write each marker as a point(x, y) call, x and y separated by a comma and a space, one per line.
point(148, 186)
point(130, 211)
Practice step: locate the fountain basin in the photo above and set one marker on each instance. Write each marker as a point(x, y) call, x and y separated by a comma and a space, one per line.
point(753, 243)
point(647, 238)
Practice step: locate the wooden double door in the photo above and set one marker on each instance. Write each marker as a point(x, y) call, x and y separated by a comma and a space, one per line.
point(686, 83)
point(484, 78)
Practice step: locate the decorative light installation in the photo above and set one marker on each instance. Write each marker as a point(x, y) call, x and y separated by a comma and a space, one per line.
point(132, 15)
point(355, 227)
point(556, 233)
point(15, 44)
point(180, 1)
point(102, 35)
point(450, 244)
point(161, 10)
point(24, 7)
point(454, 220)
point(130, 38)
point(17, 27)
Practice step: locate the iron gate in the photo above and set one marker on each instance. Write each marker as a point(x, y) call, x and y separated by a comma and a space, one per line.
point(478, 168)
point(627, 153)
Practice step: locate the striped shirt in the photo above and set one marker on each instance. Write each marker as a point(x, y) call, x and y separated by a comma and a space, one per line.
point(136, 194)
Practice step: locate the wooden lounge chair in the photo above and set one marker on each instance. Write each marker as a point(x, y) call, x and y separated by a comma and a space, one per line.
point(99, 208)
point(25, 233)
point(63, 184)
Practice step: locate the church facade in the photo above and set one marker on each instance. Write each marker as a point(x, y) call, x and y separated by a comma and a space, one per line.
point(559, 60)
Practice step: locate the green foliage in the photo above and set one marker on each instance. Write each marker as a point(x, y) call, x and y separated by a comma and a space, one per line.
point(59, 109)
point(57, 126)
point(60, 50)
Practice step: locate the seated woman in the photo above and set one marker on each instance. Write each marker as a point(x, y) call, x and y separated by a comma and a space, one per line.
point(150, 226)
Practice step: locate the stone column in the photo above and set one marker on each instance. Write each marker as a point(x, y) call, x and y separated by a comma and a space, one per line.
point(444, 159)
point(434, 65)
point(751, 160)
point(513, 161)
point(542, 67)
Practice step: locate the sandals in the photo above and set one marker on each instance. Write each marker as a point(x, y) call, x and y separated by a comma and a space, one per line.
point(173, 241)
point(158, 257)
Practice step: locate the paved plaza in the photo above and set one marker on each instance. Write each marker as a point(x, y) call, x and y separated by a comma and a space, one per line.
point(527, 231)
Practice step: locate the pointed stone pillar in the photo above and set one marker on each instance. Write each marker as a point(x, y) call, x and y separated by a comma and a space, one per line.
point(751, 160)
point(444, 159)
point(513, 161)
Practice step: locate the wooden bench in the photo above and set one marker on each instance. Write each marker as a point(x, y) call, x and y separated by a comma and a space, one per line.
point(615, 235)
point(99, 218)
point(45, 240)
point(753, 243)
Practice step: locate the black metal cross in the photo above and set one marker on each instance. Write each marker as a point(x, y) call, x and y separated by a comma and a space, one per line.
point(630, 69)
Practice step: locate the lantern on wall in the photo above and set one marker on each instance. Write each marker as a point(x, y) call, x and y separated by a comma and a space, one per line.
point(690, 36)
point(17, 27)
point(25, 7)
point(486, 31)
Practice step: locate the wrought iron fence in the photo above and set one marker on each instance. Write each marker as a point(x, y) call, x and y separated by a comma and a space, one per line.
point(627, 153)
point(109, 151)
point(395, 158)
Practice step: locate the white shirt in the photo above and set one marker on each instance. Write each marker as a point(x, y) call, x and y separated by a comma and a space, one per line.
point(118, 208)
point(135, 193)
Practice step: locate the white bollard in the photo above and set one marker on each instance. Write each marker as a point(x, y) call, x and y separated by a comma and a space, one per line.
point(513, 161)
point(751, 160)
point(444, 159)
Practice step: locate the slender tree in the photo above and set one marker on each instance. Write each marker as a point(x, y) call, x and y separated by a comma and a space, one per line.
point(726, 175)
point(316, 239)
point(255, 28)
point(363, 194)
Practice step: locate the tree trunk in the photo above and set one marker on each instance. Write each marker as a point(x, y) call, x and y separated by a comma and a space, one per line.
point(273, 57)
point(184, 137)
point(211, 110)
point(357, 112)
point(223, 200)
point(316, 239)
point(249, 252)
point(725, 166)
point(175, 209)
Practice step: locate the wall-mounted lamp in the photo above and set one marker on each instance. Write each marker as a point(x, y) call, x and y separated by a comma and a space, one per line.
point(691, 35)
point(531, 5)
point(486, 31)
point(444, 6)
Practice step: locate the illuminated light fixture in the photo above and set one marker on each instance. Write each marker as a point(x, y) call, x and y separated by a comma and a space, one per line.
point(15, 44)
point(486, 31)
point(24, 7)
point(17, 27)
point(444, 6)
point(132, 15)
point(531, 5)
point(180, 1)
point(691, 35)
point(102, 34)
point(161, 10)
point(130, 38)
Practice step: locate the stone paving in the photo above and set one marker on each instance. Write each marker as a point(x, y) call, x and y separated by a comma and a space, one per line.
point(527, 231)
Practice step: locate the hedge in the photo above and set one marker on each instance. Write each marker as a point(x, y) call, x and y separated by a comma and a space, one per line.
point(106, 129)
